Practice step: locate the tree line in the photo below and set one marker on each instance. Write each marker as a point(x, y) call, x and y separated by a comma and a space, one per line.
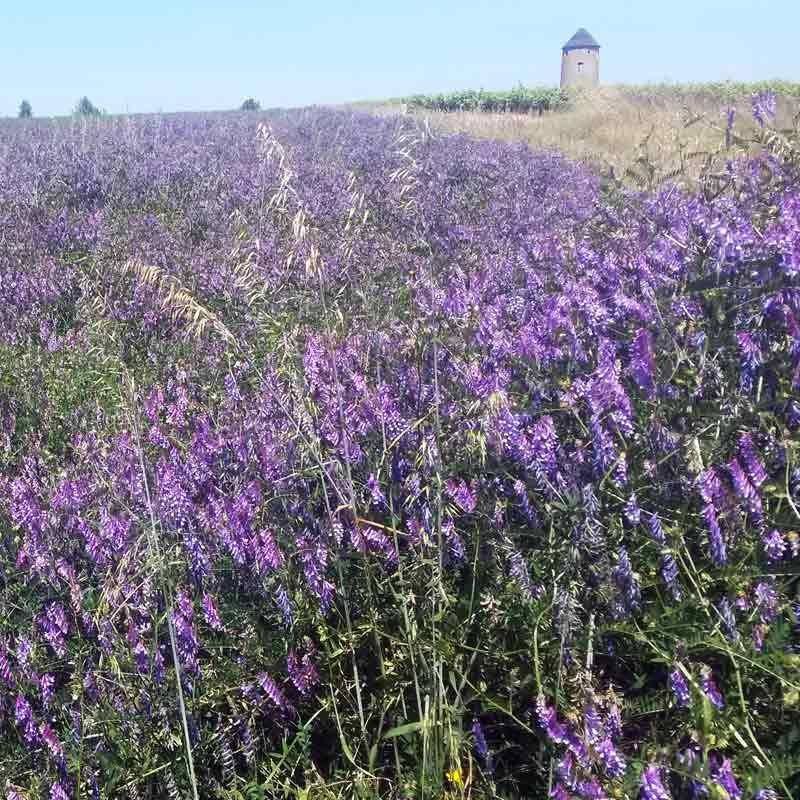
point(86, 108)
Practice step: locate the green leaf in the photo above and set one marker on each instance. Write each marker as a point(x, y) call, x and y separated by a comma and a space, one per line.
point(403, 730)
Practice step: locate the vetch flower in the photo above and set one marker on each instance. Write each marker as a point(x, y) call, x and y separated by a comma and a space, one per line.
point(680, 688)
point(211, 614)
point(592, 723)
point(613, 763)
point(764, 107)
point(23, 714)
point(643, 362)
point(774, 545)
point(710, 689)
point(651, 787)
point(669, 572)
point(716, 538)
point(481, 747)
point(723, 776)
point(632, 511)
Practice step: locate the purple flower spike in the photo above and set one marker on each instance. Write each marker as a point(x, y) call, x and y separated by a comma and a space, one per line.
point(593, 723)
point(710, 688)
point(680, 688)
point(764, 107)
point(59, 792)
point(23, 714)
point(612, 761)
point(558, 792)
point(716, 538)
point(652, 788)
point(211, 613)
point(643, 362)
point(774, 545)
point(725, 778)
point(481, 747)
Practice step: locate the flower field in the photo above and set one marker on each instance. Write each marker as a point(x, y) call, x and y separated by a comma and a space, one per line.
point(340, 458)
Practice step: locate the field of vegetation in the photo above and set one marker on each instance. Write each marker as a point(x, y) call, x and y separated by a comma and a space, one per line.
point(520, 100)
point(643, 134)
point(342, 457)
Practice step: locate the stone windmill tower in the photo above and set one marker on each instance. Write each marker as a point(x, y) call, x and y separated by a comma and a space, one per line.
point(580, 61)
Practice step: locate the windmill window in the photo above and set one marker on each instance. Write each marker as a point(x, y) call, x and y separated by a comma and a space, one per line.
point(580, 66)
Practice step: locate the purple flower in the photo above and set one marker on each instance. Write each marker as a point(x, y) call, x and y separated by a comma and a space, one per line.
point(746, 491)
point(610, 758)
point(728, 619)
point(764, 106)
point(774, 545)
point(314, 557)
point(462, 494)
point(567, 771)
point(723, 776)
point(188, 645)
point(592, 723)
point(643, 364)
point(548, 719)
point(524, 503)
point(211, 613)
point(55, 626)
point(273, 692)
point(656, 530)
point(481, 747)
point(591, 790)
point(6, 673)
point(558, 792)
point(627, 584)
point(669, 572)
point(766, 794)
point(710, 689)
point(374, 488)
point(302, 672)
point(632, 511)
point(680, 688)
point(754, 467)
point(716, 538)
point(23, 714)
point(268, 556)
point(59, 792)
point(759, 631)
point(613, 726)
point(52, 741)
point(652, 788)
point(767, 601)
point(284, 603)
point(518, 570)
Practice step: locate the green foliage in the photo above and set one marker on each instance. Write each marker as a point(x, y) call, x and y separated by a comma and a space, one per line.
point(25, 110)
point(251, 105)
point(85, 108)
point(726, 91)
point(521, 99)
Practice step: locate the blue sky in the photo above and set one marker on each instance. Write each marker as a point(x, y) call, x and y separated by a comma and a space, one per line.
point(174, 55)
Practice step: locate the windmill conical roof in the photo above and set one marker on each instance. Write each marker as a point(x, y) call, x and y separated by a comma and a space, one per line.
point(581, 40)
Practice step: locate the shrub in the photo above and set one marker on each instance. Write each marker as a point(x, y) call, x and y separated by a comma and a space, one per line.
point(85, 108)
point(25, 110)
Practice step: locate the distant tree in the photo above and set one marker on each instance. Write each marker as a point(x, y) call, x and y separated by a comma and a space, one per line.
point(86, 108)
point(25, 110)
point(251, 105)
